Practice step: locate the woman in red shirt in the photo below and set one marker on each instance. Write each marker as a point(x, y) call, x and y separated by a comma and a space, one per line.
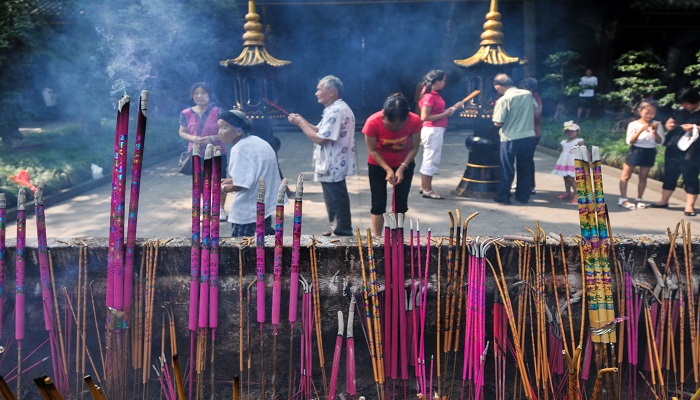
point(434, 116)
point(392, 136)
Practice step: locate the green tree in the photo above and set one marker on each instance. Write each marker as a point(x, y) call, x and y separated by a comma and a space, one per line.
point(693, 71)
point(640, 75)
point(560, 85)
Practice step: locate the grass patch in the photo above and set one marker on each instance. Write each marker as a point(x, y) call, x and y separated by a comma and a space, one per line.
point(61, 157)
point(599, 132)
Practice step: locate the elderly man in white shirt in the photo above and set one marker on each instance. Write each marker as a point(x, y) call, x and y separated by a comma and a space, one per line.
point(334, 152)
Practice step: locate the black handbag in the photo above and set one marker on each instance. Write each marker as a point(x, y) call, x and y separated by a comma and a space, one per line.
point(185, 163)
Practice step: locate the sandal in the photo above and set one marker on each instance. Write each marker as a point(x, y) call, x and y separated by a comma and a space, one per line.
point(641, 204)
point(564, 196)
point(574, 200)
point(431, 194)
point(625, 203)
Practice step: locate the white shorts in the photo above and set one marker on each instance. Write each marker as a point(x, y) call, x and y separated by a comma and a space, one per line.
point(431, 139)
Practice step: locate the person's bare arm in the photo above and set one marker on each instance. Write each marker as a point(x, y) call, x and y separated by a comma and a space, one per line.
point(310, 130)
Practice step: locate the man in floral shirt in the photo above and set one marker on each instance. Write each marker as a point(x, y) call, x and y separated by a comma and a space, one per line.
point(334, 152)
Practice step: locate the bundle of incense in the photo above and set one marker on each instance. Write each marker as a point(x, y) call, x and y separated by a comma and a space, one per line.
point(336, 357)
point(401, 292)
point(195, 254)
point(136, 169)
point(277, 276)
point(368, 314)
point(294, 274)
point(3, 222)
point(115, 258)
point(19, 279)
point(423, 293)
point(350, 382)
point(47, 299)
point(589, 232)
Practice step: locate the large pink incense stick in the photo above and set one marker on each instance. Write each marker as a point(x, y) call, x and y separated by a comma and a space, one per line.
point(350, 382)
point(115, 260)
point(279, 246)
point(387, 329)
point(19, 278)
point(3, 222)
point(195, 254)
point(423, 304)
point(214, 235)
point(296, 244)
point(44, 273)
point(294, 274)
point(260, 250)
point(395, 285)
point(336, 357)
point(136, 169)
point(260, 264)
point(277, 275)
point(206, 240)
point(401, 291)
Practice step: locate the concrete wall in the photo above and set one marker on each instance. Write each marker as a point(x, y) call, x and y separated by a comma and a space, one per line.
point(340, 276)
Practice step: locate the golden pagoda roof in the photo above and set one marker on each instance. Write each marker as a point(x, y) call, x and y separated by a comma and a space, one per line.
point(491, 50)
point(254, 51)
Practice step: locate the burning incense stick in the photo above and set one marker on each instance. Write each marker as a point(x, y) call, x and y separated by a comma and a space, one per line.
point(3, 222)
point(115, 269)
point(277, 277)
point(273, 104)
point(260, 255)
point(44, 274)
point(19, 281)
point(136, 170)
point(195, 260)
point(294, 274)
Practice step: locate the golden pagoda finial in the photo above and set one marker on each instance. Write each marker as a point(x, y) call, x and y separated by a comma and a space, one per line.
point(254, 51)
point(491, 51)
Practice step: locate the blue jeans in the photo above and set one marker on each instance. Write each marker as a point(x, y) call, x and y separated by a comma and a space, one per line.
point(516, 158)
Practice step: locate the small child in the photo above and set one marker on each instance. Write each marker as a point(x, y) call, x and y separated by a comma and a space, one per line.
point(565, 162)
point(643, 135)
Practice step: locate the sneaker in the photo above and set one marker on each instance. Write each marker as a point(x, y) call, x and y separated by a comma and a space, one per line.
point(222, 215)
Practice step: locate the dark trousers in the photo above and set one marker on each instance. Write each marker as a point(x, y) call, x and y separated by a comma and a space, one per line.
point(335, 195)
point(378, 188)
point(514, 162)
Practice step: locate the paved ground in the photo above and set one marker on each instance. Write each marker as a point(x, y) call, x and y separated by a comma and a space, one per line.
point(165, 200)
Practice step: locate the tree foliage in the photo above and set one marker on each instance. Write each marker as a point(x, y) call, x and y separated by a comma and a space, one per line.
point(560, 84)
point(693, 71)
point(640, 75)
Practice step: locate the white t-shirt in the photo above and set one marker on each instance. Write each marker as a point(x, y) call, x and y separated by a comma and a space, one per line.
point(250, 159)
point(645, 139)
point(588, 84)
point(336, 159)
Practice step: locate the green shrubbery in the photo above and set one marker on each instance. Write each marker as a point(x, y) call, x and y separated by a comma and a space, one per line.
point(62, 157)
